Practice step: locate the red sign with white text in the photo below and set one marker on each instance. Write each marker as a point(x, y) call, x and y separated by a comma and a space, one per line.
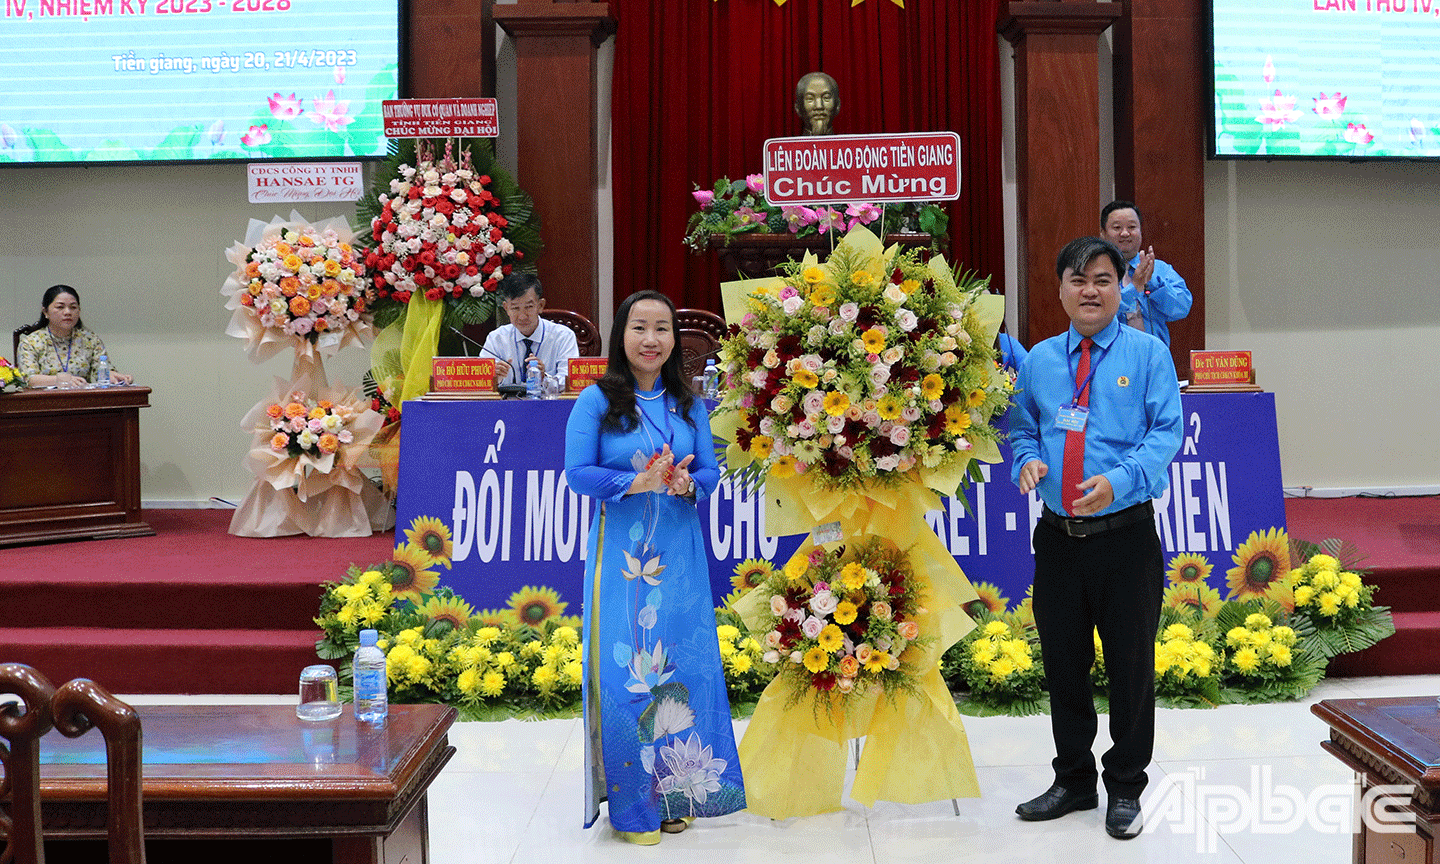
point(462, 374)
point(826, 169)
point(441, 118)
point(584, 371)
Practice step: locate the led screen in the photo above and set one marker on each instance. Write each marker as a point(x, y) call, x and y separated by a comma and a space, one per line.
point(1343, 79)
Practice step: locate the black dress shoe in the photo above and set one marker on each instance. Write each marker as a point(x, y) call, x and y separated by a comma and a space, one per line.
point(1122, 818)
point(1056, 802)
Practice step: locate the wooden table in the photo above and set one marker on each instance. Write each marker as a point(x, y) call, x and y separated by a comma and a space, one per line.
point(270, 787)
point(1391, 741)
point(71, 464)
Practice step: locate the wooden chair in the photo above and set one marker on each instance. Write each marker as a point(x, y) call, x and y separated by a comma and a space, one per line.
point(73, 709)
point(20, 333)
point(699, 319)
point(587, 335)
point(696, 346)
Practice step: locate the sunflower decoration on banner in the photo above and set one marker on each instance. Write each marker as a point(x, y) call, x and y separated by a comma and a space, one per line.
point(301, 286)
point(443, 231)
point(860, 389)
point(1261, 565)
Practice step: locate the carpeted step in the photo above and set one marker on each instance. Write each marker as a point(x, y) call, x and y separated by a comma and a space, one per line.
point(1413, 650)
point(165, 660)
point(221, 600)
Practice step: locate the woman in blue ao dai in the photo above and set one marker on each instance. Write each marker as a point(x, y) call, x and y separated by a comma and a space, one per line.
point(660, 748)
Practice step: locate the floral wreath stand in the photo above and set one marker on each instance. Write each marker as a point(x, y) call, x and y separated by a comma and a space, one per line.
point(321, 495)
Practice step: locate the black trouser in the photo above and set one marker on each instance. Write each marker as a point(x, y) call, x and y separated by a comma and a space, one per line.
point(1111, 581)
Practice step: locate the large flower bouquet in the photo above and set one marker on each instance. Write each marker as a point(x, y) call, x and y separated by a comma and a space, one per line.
point(1333, 598)
point(860, 369)
point(297, 281)
point(734, 207)
point(313, 427)
point(448, 227)
point(840, 622)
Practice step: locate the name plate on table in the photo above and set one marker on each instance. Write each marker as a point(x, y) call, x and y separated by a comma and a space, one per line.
point(584, 371)
point(462, 374)
point(1221, 371)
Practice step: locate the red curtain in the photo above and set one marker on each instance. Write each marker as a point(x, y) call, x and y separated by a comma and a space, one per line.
point(700, 84)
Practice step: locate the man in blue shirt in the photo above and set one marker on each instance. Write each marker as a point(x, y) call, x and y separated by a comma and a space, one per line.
point(1152, 293)
point(1095, 424)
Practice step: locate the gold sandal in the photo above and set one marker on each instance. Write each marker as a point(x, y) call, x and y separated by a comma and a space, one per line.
point(640, 838)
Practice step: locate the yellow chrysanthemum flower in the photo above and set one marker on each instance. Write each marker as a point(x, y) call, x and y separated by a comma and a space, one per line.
point(1329, 603)
point(468, 682)
point(1178, 631)
point(831, 639)
point(573, 672)
point(1303, 595)
point(852, 576)
point(1280, 654)
point(727, 632)
point(504, 660)
point(996, 628)
point(727, 648)
point(873, 340)
point(932, 386)
point(565, 636)
point(492, 684)
point(836, 403)
point(1002, 668)
point(816, 659)
point(1324, 562)
point(544, 677)
point(805, 378)
point(741, 663)
point(888, 407)
point(1257, 621)
point(982, 650)
point(795, 568)
point(1247, 660)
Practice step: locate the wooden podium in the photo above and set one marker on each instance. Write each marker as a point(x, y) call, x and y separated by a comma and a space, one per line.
point(70, 465)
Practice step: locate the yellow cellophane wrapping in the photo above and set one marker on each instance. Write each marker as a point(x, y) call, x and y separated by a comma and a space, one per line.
point(793, 755)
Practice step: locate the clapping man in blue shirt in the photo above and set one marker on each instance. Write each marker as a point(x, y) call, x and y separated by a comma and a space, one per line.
point(1095, 425)
point(1152, 294)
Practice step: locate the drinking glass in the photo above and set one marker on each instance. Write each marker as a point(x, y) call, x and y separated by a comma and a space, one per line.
point(319, 693)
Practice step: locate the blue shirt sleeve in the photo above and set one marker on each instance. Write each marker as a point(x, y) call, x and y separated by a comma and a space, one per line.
point(704, 470)
point(1142, 471)
point(1023, 418)
point(583, 471)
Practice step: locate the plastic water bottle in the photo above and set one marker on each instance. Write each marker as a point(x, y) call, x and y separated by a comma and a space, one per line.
point(711, 386)
point(102, 371)
point(532, 377)
point(371, 705)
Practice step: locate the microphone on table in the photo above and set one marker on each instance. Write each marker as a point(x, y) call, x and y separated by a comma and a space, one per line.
point(509, 391)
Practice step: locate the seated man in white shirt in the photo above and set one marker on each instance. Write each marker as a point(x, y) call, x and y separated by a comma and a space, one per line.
point(523, 300)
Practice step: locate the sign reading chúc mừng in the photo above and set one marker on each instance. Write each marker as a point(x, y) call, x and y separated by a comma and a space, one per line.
point(441, 118)
point(920, 166)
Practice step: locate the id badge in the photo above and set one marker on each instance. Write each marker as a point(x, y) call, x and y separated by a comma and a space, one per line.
point(1072, 418)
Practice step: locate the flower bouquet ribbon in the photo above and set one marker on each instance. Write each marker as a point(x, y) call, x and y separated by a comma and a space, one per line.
point(305, 454)
point(860, 390)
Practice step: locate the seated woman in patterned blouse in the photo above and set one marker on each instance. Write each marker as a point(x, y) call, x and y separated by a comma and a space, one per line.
point(62, 352)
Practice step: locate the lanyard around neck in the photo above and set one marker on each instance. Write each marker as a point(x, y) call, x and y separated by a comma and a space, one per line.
point(69, 346)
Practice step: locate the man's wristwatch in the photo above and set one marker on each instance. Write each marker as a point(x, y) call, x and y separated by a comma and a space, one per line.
point(690, 490)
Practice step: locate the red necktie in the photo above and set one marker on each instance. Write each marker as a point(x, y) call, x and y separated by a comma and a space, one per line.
point(1072, 473)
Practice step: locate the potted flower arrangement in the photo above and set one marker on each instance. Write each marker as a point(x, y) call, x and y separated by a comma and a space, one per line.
point(732, 208)
point(10, 380)
point(1331, 596)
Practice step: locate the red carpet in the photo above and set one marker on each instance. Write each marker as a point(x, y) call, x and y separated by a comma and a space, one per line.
point(195, 610)
point(190, 610)
point(1400, 539)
